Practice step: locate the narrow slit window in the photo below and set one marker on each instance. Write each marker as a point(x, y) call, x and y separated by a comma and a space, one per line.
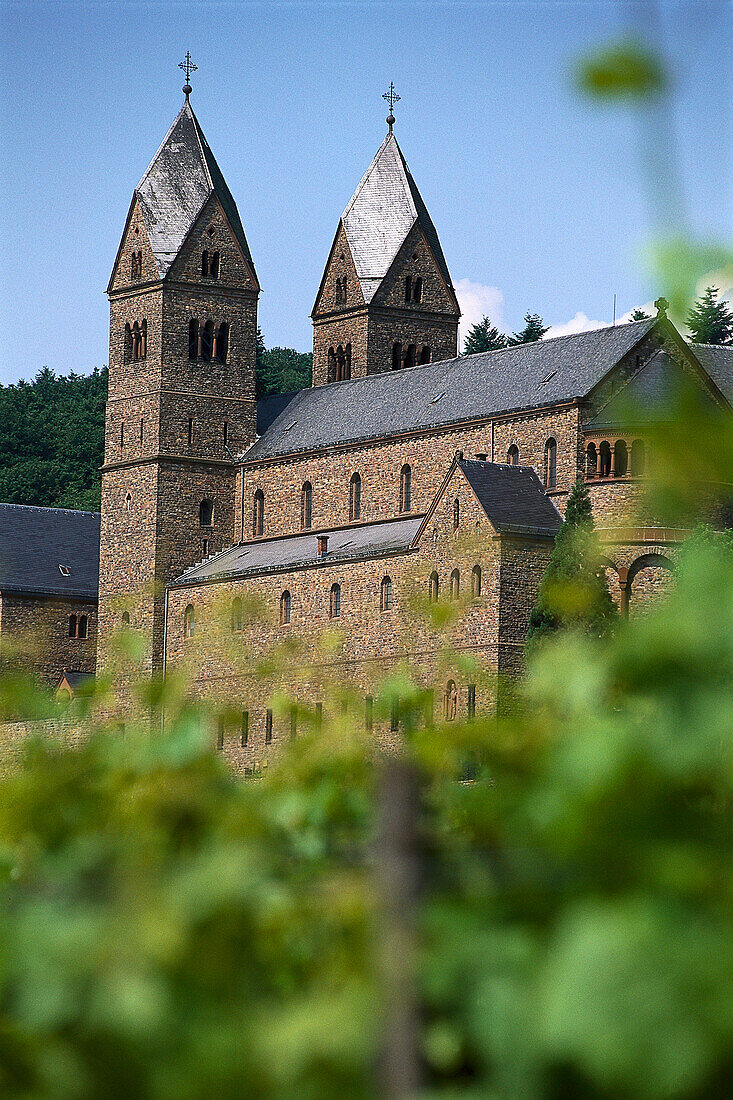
point(268, 727)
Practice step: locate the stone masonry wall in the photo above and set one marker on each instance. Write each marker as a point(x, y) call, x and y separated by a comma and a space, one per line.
point(39, 627)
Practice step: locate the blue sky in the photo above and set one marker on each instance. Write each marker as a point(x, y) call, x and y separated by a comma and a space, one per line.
point(537, 195)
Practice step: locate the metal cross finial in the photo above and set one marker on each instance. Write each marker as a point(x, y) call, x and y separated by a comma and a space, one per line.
point(188, 67)
point(392, 98)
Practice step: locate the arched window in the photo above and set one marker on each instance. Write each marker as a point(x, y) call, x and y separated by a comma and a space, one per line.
point(143, 339)
point(604, 452)
point(335, 602)
point(205, 262)
point(128, 342)
point(355, 498)
point(433, 587)
point(405, 489)
point(396, 356)
point(340, 363)
point(214, 265)
point(306, 506)
point(285, 604)
point(72, 626)
point(193, 338)
point(410, 355)
point(385, 594)
point(236, 614)
point(189, 622)
point(83, 626)
point(222, 342)
point(417, 290)
point(331, 365)
point(455, 584)
point(125, 618)
point(347, 353)
point(424, 355)
point(550, 463)
point(591, 460)
point(456, 513)
point(135, 341)
point(258, 514)
point(408, 288)
point(207, 340)
point(451, 701)
point(621, 458)
point(206, 513)
point(512, 455)
point(638, 458)
point(476, 582)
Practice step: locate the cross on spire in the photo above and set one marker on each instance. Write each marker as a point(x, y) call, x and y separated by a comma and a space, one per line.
point(392, 98)
point(188, 67)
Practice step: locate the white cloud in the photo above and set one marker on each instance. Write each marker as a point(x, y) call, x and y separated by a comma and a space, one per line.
point(477, 300)
point(579, 323)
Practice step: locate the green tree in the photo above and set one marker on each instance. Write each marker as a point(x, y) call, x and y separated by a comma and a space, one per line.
point(483, 336)
point(710, 320)
point(281, 370)
point(534, 329)
point(639, 315)
point(573, 591)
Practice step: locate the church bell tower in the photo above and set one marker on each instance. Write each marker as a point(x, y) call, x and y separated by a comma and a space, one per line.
point(183, 322)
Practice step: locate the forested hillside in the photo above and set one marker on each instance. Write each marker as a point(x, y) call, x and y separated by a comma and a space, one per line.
point(52, 429)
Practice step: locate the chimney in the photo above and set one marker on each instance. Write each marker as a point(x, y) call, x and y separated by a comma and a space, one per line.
point(322, 541)
point(481, 457)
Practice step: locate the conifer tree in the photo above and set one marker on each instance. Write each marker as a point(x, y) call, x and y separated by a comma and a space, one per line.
point(483, 336)
point(639, 315)
point(573, 591)
point(534, 329)
point(710, 321)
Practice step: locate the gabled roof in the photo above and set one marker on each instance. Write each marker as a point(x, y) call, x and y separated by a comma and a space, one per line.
point(353, 543)
point(512, 497)
point(717, 361)
point(381, 213)
point(269, 408)
point(49, 551)
point(180, 179)
point(466, 388)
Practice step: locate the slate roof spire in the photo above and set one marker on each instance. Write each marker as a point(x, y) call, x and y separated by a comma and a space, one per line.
point(181, 178)
point(382, 211)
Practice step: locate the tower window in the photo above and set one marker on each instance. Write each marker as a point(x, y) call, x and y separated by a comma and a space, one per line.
point(512, 455)
point(408, 288)
point(456, 513)
point(82, 627)
point(424, 354)
point(385, 594)
point(225, 432)
point(339, 292)
point(190, 430)
point(189, 622)
point(355, 498)
point(193, 338)
point(122, 434)
point(285, 604)
point(72, 626)
point(331, 365)
point(405, 489)
point(344, 288)
point(136, 265)
point(335, 602)
point(214, 265)
point(396, 356)
point(207, 340)
point(143, 339)
point(417, 290)
point(221, 342)
point(306, 506)
point(343, 363)
point(268, 727)
point(410, 356)
point(206, 513)
point(258, 514)
point(550, 463)
point(128, 343)
point(205, 262)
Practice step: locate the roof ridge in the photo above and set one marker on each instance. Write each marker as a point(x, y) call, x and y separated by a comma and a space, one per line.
point(551, 339)
point(46, 508)
point(200, 142)
point(718, 347)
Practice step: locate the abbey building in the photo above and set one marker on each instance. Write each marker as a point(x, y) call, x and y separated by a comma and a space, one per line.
point(407, 474)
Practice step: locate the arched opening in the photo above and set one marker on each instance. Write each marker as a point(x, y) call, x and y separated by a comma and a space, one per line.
point(193, 338)
point(128, 342)
point(125, 618)
point(335, 602)
point(638, 458)
point(83, 627)
point(347, 366)
point(424, 355)
point(396, 356)
point(620, 458)
point(285, 605)
point(417, 290)
point(355, 497)
point(476, 582)
point(405, 489)
point(433, 587)
point(236, 614)
point(135, 341)
point(456, 514)
point(207, 340)
point(408, 288)
point(455, 584)
point(205, 262)
point(222, 342)
point(604, 456)
point(306, 505)
point(331, 375)
point(258, 514)
point(72, 626)
point(189, 622)
point(512, 455)
point(410, 356)
point(214, 265)
point(451, 701)
point(206, 513)
point(385, 594)
point(340, 363)
point(647, 581)
point(550, 463)
point(591, 460)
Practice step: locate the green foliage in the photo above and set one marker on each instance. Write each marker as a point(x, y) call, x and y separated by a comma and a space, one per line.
point(710, 320)
point(574, 591)
point(639, 315)
point(625, 70)
point(52, 440)
point(483, 336)
point(281, 370)
point(534, 329)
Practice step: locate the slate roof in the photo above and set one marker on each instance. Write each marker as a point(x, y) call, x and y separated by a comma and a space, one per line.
point(34, 542)
point(512, 497)
point(269, 408)
point(718, 362)
point(448, 392)
point(370, 540)
point(382, 211)
point(180, 179)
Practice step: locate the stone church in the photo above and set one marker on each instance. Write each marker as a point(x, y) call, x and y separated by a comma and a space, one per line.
point(407, 475)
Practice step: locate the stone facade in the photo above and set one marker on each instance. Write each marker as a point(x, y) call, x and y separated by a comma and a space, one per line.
point(36, 629)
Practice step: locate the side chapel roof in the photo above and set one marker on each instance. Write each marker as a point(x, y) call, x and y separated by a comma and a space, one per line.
point(381, 213)
point(181, 178)
point(512, 497)
point(49, 551)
